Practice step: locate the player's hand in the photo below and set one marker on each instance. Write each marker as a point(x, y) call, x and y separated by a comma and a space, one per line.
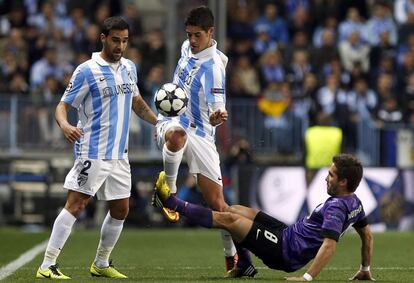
point(295, 278)
point(72, 134)
point(362, 275)
point(218, 117)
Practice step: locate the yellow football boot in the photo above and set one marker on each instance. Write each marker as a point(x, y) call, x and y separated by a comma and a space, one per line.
point(162, 192)
point(52, 272)
point(108, 272)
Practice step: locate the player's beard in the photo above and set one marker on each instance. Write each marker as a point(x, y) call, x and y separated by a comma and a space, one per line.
point(332, 189)
point(115, 57)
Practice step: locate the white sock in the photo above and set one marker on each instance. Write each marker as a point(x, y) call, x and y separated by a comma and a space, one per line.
point(60, 233)
point(229, 248)
point(110, 231)
point(172, 161)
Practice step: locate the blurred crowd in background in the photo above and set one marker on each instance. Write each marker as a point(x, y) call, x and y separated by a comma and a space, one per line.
point(331, 62)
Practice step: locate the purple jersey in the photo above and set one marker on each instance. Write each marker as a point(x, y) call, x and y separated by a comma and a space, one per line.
point(302, 240)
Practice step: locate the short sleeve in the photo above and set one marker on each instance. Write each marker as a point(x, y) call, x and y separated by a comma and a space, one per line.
point(77, 89)
point(334, 219)
point(214, 85)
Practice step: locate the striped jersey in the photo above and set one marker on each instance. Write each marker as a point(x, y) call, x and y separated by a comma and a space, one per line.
point(102, 92)
point(202, 76)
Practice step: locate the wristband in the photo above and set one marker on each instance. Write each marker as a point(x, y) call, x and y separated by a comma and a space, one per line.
point(364, 268)
point(307, 277)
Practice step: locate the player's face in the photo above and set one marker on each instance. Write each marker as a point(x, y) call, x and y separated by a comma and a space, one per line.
point(114, 44)
point(199, 38)
point(332, 181)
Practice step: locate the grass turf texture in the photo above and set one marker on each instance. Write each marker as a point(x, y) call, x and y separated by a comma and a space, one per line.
point(195, 255)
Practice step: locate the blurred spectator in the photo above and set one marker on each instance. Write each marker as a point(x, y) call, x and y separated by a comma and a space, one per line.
point(271, 68)
point(389, 111)
point(249, 79)
point(409, 100)
point(263, 42)
point(383, 49)
point(44, 98)
point(297, 69)
point(354, 50)
point(240, 26)
point(153, 82)
point(404, 11)
point(320, 56)
point(380, 22)
point(47, 21)
point(275, 24)
point(308, 94)
point(363, 101)
point(292, 6)
point(88, 41)
point(235, 87)
point(152, 47)
point(83, 36)
point(18, 85)
point(101, 12)
point(404, 71)
point(334, 67)
point(279, 120)
point(329, 25)
point(47, 65)
point(16, 18)
point(300, 22)
point(385, 65)
point(300, 42)
point(352, 23)
point(130, 14)
point(330, 96)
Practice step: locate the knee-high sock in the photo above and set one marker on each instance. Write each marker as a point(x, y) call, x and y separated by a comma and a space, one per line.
point(229, 248)
point(172, 161)
point(60, 232)
point(110, 231)
point(196, 214)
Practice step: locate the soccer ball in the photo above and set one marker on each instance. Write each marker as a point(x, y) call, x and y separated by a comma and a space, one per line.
point(171, 100)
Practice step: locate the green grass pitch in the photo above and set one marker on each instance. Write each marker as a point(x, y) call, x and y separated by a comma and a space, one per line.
point(195, 255)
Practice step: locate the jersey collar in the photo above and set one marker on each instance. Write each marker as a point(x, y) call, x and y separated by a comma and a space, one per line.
point(96, 56)
point(206, 53)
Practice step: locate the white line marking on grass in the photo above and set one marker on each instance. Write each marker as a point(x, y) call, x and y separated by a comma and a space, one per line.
point(10, 268)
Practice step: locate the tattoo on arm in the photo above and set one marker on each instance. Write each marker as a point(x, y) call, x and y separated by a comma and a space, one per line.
point(143, 111)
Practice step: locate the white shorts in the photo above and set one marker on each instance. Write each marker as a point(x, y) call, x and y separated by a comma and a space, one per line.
point(108, 179)
point(200, 152)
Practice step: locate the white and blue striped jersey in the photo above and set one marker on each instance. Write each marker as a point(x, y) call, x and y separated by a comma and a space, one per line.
point(202, 76)
point(102, 93)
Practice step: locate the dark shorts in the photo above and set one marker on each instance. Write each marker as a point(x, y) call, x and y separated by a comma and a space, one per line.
point(265, 240)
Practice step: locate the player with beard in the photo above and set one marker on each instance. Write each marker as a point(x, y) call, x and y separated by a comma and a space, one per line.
point(289, 248)
point(103, 90)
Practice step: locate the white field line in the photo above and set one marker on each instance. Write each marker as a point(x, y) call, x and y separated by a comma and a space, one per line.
point(11, 267)
point(131, 267)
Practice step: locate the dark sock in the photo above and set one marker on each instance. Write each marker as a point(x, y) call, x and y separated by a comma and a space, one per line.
point(244, 256)
point(196, 214)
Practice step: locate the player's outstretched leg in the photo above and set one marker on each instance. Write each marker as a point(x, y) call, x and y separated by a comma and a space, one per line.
point(171, 215)
point(52, 272)
point(109, 272)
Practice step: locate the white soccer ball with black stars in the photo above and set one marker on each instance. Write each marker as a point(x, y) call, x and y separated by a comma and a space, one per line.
point(171, 100)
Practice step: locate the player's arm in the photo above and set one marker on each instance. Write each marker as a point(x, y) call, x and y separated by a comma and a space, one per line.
point(324, 255)
point(367, 247)
point(142, 109)
point(71, 133)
